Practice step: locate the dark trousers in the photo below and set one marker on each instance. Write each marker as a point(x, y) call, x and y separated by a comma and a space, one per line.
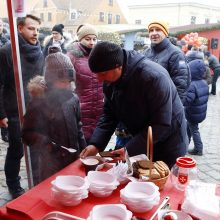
point(193, 131)
point(214, 80)
point(14, 153)
point(4, 132)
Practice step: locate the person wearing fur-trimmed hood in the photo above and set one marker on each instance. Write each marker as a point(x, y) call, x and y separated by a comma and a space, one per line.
point(58, 38)
point(53, 119)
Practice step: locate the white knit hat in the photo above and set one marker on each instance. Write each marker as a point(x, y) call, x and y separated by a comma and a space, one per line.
point(84, 30)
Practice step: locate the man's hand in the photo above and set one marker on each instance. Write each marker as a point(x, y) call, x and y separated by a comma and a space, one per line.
point(90, 150)
point(4, 123)
point(121, 152)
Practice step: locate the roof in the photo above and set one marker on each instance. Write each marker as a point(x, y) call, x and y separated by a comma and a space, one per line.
point(121, 28)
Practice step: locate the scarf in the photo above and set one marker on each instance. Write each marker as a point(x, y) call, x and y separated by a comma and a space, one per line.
point(30, 52)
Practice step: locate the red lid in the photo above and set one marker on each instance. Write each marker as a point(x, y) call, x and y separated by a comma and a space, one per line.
point(186, 162)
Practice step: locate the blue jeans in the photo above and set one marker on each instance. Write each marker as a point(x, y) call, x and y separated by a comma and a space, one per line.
point(14, 153)
point(193, 131)
point(214, 80)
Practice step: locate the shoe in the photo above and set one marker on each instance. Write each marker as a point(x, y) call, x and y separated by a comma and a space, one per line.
point(16, 192)
point(5, 138)
point(195, 152)
point(211, 93)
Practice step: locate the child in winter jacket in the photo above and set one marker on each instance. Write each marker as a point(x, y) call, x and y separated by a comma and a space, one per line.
point(52, 119)
point(196, 104)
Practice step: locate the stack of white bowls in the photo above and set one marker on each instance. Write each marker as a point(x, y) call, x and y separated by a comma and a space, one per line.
point(110, 211)
point(101, 184)
point(69, 190)
point(140, 196)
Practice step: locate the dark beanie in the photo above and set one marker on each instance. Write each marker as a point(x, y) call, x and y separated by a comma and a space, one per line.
point(105, 56)
point(58, 28)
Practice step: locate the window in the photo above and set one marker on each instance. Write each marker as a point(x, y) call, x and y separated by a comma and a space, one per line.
point(117, 19)
point(207, 21)
point(110, 2)
point(109, 18)
point(49, 16)
point(193, 20)
point(45, 3)
point(137, 21)
point(42, 16)
point(73, 15)
point(101, 16)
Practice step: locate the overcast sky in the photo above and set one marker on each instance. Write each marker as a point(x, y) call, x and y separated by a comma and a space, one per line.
point(206, 2)
point(125, 3)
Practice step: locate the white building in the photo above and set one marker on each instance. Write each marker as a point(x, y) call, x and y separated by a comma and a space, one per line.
point(175, 14)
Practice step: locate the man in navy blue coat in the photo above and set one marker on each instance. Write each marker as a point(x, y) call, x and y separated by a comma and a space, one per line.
point(139, 93)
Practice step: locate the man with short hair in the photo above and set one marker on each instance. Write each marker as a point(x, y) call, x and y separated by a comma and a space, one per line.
point(163, 52)
point(138, 93)
point(32, 62)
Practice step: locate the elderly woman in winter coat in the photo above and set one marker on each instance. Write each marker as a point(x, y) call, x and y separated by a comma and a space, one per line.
point(52, 119)
point(88, 88)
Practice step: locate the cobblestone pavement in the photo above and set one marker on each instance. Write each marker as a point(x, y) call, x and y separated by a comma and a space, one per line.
point(208, 164)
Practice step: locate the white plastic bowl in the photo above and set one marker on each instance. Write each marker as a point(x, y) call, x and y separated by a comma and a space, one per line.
point(140, 190)
point(67, 198)
point(99, 178)
point(69, 183)
point(140, 196)
point(110, 212)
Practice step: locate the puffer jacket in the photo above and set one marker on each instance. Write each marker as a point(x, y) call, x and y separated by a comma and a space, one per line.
point(88, 88)
point(144, 96)
point(193, 55)
point(197, 93)
point(174, 61)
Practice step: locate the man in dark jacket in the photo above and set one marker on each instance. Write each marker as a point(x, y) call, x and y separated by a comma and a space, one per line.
point(3, 41)
point(214, 65)
point(138, 93)
point(162, 51)
point(32, 62)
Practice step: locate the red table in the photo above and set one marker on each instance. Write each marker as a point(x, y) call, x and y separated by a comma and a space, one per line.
point(37, 202)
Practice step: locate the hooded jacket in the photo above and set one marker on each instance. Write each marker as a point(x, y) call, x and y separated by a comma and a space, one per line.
point(197, 93)
point(52, 117)
point(144, 96)
point(88, 88)
point(173, 60)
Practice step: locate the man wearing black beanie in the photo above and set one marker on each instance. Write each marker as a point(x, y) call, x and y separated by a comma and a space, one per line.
point(56, 40)
point(138, 93)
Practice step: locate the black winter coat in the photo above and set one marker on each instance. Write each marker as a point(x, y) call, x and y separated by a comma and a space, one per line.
point(144, 96)
point(32, 63)
point(173, 60)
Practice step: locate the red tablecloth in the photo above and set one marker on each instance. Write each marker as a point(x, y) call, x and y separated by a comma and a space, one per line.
point(37, 202)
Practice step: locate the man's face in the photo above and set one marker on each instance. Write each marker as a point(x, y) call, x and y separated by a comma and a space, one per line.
point(1, 26)
point(30, 31)
point(110, 76)
point(89, 41)
point(56, 35)
point(156, 35)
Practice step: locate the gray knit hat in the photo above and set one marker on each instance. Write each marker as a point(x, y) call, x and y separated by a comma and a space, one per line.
point(105, 56)
point(84, 30)
point(58, 67)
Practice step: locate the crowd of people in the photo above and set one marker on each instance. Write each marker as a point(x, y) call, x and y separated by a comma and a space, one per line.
point(78, 93)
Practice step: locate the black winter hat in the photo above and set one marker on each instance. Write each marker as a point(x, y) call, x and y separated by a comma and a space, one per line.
point(105, 56)
point(58, 28)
